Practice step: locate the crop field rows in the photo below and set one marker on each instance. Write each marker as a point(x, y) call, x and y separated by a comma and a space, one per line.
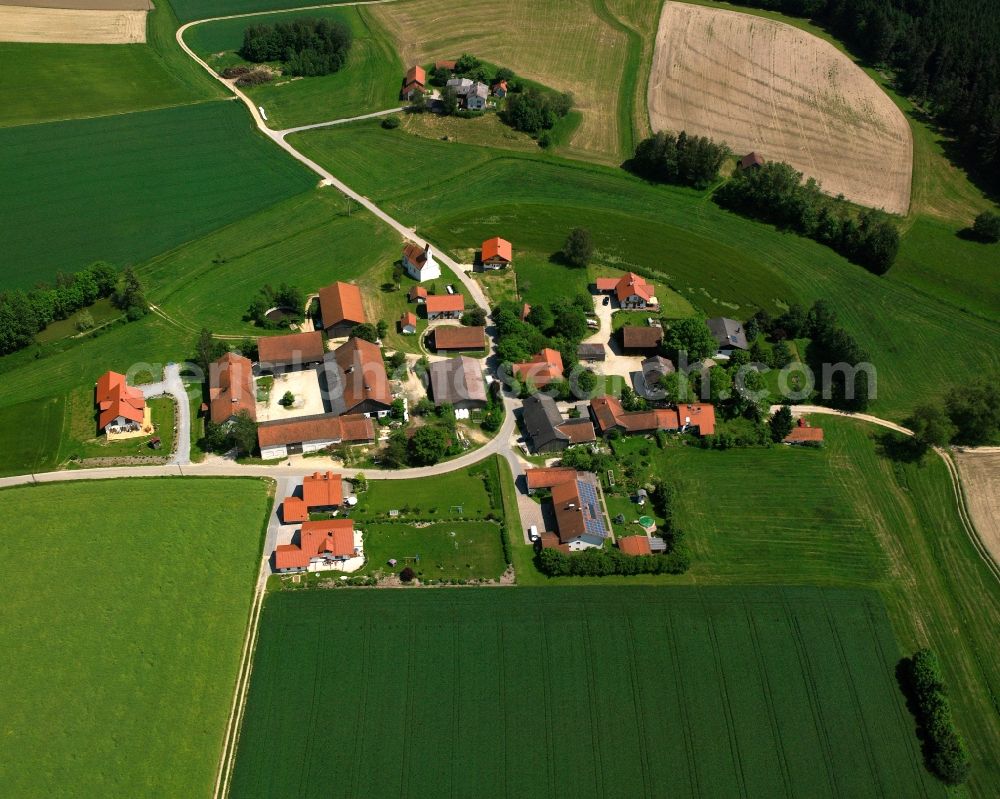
point(578, 692)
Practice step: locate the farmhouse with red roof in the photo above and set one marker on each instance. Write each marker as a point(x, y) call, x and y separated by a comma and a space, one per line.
point(542, 369)
point(414, 80)
point(122, 407)
point(497, 253)
point(631, 290)
point(322, 546)
point(341, 308)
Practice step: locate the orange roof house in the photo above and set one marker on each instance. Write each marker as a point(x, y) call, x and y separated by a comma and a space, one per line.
point(804, 433)
point(415, 78)
point(548, 477)
point(341, 308)
point(451, 337)
point(449, 306)
point(635, 545)
point(294, 510)
point(117, 401)
point(231, 388)
point(294, 350)
point(631, 289)
point(417, 294)
point(608, 414)
point(321, 490)
point(497, 253)
point(408, 323)
point(324, 541)
point(542, 369)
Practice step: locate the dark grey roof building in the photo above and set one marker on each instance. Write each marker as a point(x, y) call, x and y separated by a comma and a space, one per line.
point(546, 428)
point(646, 382)
point(728, 332)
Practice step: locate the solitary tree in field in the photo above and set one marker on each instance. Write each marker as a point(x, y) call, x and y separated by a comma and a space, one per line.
point(579, 247)
point(987, 227)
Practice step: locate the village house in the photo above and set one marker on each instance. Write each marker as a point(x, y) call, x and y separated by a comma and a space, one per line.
point(608, 414)
point(636, 338)
point(458, 382)
point(408, 323)
point(804, 433)
point(646, 383)
point(231, 389)
point(415, 80)
point(341, 308)
point(322, 491)
point(500, 89)
point(445, 306)
point(305, 434)
point(729, 334)
point(476, 98)
point(546, 429)
point(294, 510)
point(122, 408)
point(496, 253)
point(355, 381)
point(462, 87)
point(541, 370)
point(417, 294)
point(547, 477)
point(450, 338)
point(751, 161)
point(580, 519)
point(291, 353)
point(448, 66)
point(591, 352)
point(632, 291)
point(419, 262)
point(322, 546)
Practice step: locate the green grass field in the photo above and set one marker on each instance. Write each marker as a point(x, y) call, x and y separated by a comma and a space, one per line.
point(126, 605)
point(368, 82)
point(458, 195)
point(579, 692)
point(447, 550)
point(843, 516)
point(422, 499)
point(188, 10)
point(125, 188)
point(47, 82)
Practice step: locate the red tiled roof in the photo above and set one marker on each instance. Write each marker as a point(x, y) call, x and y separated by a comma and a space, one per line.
point(442, 303)
point(114, 398)
point(354, 427)
point(408, 319)
point(231, 388)
point(607, 283)
point(701, 415)
point(580, 431)
point(339, 303)
point(418, 292)
point(635, 545)
point(365, 377)
point(416, 74)
point(542, 369)
point(497, 247)
point(293, 510)
point(801, 435)
point(322, 490)
point(606, 412)
point(293, 348)
point(444, 64)
point(632, 284)
point(635, 337)
point(751, 159)
point(415, 254)
point(451, 337)
point(548, 477)
point(334, 537)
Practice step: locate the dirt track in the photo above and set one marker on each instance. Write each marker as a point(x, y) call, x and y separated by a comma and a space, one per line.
point(980, 471)
point(71, 26)
point(766, 86)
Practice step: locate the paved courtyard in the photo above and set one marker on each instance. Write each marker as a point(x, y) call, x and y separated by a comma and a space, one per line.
point(304, 386)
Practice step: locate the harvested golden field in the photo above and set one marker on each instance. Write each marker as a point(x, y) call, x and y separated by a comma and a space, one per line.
point(980, 472)
point(94, 5)
point(71, 25)
point(762, 85)
point(559, 43)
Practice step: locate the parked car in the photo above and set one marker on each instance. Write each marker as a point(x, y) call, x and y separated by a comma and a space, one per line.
point(533, 533)
point(607, 301)
point(450, 288)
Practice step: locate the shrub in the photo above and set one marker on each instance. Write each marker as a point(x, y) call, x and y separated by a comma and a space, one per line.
point(390, 123)
point(987, 227)
point(579, 247)
point(604, 562)
point(255, 78)
point(407, 575)
point(287, 400)
point(235, 71)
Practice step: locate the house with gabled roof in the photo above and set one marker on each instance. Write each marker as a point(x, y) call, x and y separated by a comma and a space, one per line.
point(417, 294)
point(323, 545)
point(751, 161)
point(419, 262)
point(408, 323)
point(444, 306)
point(547, 430)
point(355, 381)
point(580, 519)
point(452, 338)
point(632, 291)
point(306, 434)
point(231, 388)
point(341, 308)
point(496, 253)
point(730, 334)
point(293, 352)
point(121, 407)
point(458, 382)
point(544, 368)
point(608, 415)
point(415, 80)
point(322, 491)
point(804, 433)
point(639, 338)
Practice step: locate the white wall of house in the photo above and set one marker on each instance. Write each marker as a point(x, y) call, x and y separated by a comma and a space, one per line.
point(430, 270)
point(273, 453)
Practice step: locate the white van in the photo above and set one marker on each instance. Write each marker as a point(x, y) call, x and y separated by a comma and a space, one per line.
point(533, 533)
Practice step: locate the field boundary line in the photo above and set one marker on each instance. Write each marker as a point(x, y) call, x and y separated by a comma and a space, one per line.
point(231, 739)
point(768, 697)
point(958, 489)
point(633, 674)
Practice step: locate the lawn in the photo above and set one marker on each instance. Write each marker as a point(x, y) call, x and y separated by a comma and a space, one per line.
point(80, 439)
point(126, 606)
point(48, 82)
point(446, 550)
point(101, 312)
point(368, 82)
point(127, 187)
point(842, 516)
point(34, 447)
point(579, 692)
point(458, 195)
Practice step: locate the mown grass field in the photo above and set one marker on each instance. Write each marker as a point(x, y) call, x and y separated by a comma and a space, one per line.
point(188, 10)
point(447, 550)
point(368, 82)
point(125, 188)
point(126, 605)
point(47, 82)
point(579, 692)
point(458, 195)
point(843, 516)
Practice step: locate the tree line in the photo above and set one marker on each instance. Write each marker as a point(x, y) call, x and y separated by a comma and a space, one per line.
point(305, 47)
point(667, 157)
point(945, 54)
point(25, 313)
